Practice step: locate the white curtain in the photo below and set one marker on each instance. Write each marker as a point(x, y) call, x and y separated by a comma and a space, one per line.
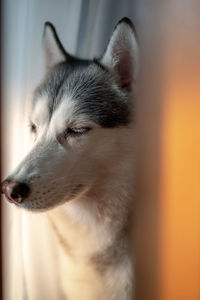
point(32, 259)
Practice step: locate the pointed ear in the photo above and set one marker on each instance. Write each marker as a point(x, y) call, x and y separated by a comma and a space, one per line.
point(121, 55)
point(54, 50)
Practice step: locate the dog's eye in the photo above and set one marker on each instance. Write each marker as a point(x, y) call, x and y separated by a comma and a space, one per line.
point(76, 131)
point(72, 132)
point(33, 128)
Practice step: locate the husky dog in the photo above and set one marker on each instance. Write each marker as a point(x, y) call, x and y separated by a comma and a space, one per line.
point(81, 166)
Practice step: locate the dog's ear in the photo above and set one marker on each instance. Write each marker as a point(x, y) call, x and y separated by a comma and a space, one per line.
point(121, 55)
point(54, 50)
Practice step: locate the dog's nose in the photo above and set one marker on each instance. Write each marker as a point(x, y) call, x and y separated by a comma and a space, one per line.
point(15, 192)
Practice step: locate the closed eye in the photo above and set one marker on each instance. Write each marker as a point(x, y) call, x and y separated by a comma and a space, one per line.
point(72, 132)
point(76, 131)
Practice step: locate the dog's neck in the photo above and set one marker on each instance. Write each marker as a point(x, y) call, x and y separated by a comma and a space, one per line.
point(104, 207)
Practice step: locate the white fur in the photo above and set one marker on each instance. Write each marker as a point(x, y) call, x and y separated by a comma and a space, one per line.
point(40, 112)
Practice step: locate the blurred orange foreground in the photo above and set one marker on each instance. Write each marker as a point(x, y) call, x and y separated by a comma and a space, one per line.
point(180, 161)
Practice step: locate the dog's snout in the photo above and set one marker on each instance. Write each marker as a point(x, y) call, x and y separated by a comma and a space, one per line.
point(15, 192)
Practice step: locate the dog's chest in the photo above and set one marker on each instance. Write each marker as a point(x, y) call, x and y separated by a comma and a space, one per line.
point(81, 278)
point(82, 281)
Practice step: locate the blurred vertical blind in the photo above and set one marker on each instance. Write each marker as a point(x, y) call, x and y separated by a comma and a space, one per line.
point(167, 222)
point(180, 163)
point(167, 225)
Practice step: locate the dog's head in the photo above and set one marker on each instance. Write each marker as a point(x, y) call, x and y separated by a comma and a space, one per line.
point(81, 119)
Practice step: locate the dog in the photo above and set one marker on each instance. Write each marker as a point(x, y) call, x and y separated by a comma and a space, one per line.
point(80, 170)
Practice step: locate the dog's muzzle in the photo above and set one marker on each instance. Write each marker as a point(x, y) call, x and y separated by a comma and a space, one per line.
point(14, 191)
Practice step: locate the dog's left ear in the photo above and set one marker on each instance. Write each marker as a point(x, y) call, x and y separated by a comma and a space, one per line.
point(54, 50)
point(121, 55)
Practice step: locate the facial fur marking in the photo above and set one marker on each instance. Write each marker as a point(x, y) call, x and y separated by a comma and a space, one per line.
point(40, 113)
point(93, 91)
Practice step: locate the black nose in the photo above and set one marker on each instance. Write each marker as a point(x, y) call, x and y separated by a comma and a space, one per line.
point(15, 192)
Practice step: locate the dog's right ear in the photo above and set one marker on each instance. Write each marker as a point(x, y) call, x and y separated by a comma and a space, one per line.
point(121, 55)
point(54, 50)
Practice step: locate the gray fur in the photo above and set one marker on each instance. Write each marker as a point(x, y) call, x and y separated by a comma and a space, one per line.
point(93, 88)
point(113, 254)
